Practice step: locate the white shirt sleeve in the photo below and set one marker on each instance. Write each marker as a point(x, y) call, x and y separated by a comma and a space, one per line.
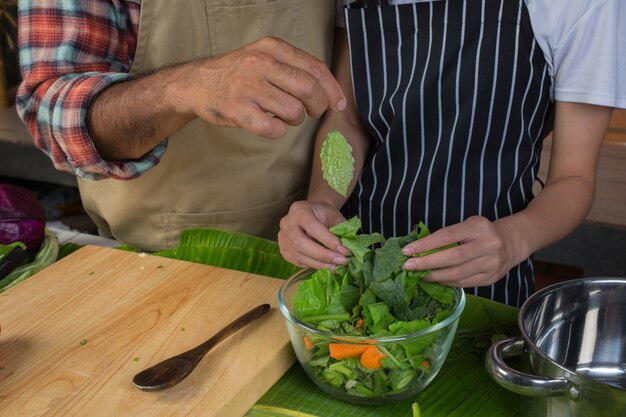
point(584, 43)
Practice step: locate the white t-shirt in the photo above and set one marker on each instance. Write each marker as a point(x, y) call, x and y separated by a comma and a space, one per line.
point(584, 44)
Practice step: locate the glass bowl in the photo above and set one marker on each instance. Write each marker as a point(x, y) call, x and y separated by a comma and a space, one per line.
point(400, 376)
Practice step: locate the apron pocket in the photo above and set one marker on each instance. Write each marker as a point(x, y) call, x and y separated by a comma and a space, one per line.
point(262, 221)
point(254, 19)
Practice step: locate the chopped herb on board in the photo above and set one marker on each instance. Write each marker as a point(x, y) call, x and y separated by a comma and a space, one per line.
point(83, 342)
point(337, 161)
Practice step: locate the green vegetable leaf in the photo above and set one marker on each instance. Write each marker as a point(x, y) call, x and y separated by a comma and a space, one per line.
point(377, 317)
point(367, 298)
point(348, 229)
point(388, 259)
point(393, 294)
point(337, 162)
point(349, 296)
point(439, 292)
point(406, 327)
point(359, 245)
point(318, 295)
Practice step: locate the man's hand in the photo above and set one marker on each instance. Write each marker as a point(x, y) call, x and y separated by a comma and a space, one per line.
point(261, 87)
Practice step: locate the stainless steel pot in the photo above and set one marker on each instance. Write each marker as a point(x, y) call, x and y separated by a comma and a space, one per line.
point(574, 338)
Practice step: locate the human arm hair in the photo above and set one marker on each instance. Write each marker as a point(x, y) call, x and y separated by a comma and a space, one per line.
point(261, 87)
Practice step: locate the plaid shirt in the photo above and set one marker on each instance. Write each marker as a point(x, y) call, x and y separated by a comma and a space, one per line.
point(70, 51)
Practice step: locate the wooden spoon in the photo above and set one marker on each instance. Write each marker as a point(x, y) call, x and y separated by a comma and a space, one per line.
point(171, 371)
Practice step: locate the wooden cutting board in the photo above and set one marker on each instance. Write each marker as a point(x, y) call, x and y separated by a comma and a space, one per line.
point(74, 335)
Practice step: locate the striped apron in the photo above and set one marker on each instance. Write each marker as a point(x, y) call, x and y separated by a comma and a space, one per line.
point(455, 95)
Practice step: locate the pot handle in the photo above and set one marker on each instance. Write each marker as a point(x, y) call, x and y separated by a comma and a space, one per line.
point(516, 381)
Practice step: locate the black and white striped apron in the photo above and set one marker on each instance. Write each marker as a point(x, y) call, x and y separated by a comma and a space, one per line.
point(455, 95)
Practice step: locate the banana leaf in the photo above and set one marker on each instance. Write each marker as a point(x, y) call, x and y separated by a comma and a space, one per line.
point(240, 259)
point(231, 250)
point(226, 239)
point(67, 248)
point(462, 387)
point(224, 249)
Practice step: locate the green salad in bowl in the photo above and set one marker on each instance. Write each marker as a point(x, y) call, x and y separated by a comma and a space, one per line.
point(370, 332)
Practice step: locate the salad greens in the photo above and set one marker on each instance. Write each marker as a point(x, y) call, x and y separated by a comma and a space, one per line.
point(337, 161)
point(373, 297)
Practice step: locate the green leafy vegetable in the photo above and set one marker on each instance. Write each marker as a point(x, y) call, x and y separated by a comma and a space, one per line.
point(337, 161)
point(46, 255)
point(11, 256)
point(6, 249)
point(373, 296)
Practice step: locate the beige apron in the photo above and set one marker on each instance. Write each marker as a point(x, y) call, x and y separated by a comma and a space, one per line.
point(211, 176)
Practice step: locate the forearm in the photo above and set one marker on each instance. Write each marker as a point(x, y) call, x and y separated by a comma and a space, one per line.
point(568, 194)
point(348, 123)
point(319, 189)
point(559, 208)
point(130, 118)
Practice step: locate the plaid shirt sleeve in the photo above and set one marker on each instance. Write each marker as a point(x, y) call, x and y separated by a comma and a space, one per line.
point(70, 51)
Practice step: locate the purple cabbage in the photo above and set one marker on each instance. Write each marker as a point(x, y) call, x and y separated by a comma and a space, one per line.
point(22, 217)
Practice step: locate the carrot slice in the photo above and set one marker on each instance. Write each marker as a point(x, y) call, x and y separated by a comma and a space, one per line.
point(425, 364)
point(308, 344)
point(371, 357)
point(344, 350)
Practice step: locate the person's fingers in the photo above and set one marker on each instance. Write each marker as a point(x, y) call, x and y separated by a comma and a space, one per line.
point(309, 224)
point(299, 249)
point(308, 249)
point(320, 233)
point(458, 275)
point(477, 280)
point(302, 86)
point(456, 233)
point(260, 87)
point(281, 104)
point(260, 123)
point(442, 237)
point(304, 261)
point(445, 258)
point(295, 57)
